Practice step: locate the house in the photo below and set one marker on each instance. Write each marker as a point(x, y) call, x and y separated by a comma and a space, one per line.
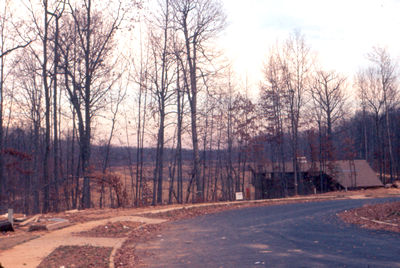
point(276, 180)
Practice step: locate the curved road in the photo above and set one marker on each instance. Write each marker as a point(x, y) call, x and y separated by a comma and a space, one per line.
point(295, 235)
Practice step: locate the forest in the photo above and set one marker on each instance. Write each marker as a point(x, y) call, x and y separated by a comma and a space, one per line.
point(122, 103)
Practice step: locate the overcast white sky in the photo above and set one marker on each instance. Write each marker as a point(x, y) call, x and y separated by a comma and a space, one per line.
point(342, 32)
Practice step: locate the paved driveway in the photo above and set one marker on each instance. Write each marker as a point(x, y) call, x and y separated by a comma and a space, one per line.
point(296, 235)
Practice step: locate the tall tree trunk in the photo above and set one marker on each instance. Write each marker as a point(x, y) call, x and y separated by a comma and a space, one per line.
point(230, 144)
point(205, 150)
point(365, 136)
point(72, 161)
point(210, 152)
point(2, 175)
point(158, 174)
point(85, 143)
point(46, 196)
point(55, 124)
point(192, 94)
point(180, 103)
point(108, 146)
point(139, 146)
point(389, 137)
point(378, 147)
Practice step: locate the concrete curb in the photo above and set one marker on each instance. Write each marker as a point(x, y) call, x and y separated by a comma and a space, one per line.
point(273, 200)
point(118, 246)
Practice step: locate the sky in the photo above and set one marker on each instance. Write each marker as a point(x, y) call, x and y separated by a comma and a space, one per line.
point(341, 32)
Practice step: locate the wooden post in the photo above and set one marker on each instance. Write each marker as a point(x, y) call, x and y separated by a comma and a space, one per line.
point(11, 216)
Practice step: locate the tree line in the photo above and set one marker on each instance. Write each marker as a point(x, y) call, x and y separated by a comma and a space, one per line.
point(78, 76)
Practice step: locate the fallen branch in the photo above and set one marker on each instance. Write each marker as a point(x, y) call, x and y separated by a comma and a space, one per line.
point(376, 221)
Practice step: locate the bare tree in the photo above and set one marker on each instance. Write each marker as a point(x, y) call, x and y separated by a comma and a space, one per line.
point(115, 103)
point(198, 22)
point(88, 45)
point(272, 103)
point(162, 78)
point(59, 9)
point(244, 129)
point(386, 69)
point(297, 66)
point(42, 25)
point(378, 91)
point(180, 109)
point(371, 97)
point(287, 75)
point(328, 96)
point(327, 107)
point(141, 126)
point(46, 86)
point(30, 97)
point(8, 44)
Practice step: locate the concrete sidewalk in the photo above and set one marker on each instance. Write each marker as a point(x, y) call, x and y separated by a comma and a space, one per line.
point(31, 253)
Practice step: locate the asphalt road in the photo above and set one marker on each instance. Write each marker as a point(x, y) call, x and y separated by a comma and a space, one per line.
point(295, 235)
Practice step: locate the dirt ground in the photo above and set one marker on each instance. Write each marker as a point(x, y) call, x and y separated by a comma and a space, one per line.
point(122, 229)
point(65, 256)
point(384, 216)
point(365, 193)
